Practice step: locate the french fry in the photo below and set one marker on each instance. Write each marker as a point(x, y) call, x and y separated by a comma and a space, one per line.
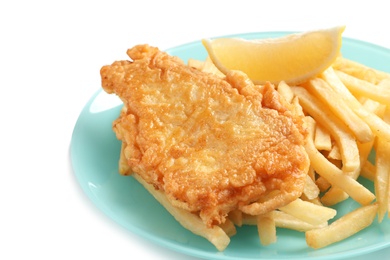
point(334, 153)
point(315, 201)
point(229, 228)
point(322, 184)
point(336, 195)
point(216, 235)
point(250, 220)
point(385, 82)
point(312, 174)
point(382, 174)
point(209, 67)
point(236, 217)
point(266, 229)
point(358, 87)
point(309, 212)
point(297, 108)
point(285, 91)
point(124, 167)
point(342, 228)
point(333, 196)
point(205, 66)
point(380, 128)
point(285, 220)
point(322, 139)
point(344, 138)
point(368, 171)
point(377, 125)
point(359, 70)
point(321, 89)
point(310, 190)
point(367, 168)
point(333, 174)
point(364, 151)
point(386, 118)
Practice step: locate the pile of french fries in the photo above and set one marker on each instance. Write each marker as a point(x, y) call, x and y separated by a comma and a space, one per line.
point(347, 114)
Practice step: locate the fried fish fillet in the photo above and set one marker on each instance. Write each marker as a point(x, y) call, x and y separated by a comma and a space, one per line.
point(211, 144)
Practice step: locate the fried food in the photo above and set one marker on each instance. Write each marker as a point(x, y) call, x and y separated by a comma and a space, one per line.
point(212, 145)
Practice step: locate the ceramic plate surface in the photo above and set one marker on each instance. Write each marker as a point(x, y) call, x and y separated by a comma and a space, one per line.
point(95, 153)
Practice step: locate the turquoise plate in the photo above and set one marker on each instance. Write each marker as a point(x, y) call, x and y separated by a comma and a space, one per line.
point(95, 153)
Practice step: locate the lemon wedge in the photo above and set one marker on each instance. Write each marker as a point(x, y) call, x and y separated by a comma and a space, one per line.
point(293, 58)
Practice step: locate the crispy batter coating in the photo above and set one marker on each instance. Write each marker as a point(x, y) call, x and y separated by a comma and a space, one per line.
point(211, 144)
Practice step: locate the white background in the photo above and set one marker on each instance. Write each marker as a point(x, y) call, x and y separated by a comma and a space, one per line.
point(50, 56)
